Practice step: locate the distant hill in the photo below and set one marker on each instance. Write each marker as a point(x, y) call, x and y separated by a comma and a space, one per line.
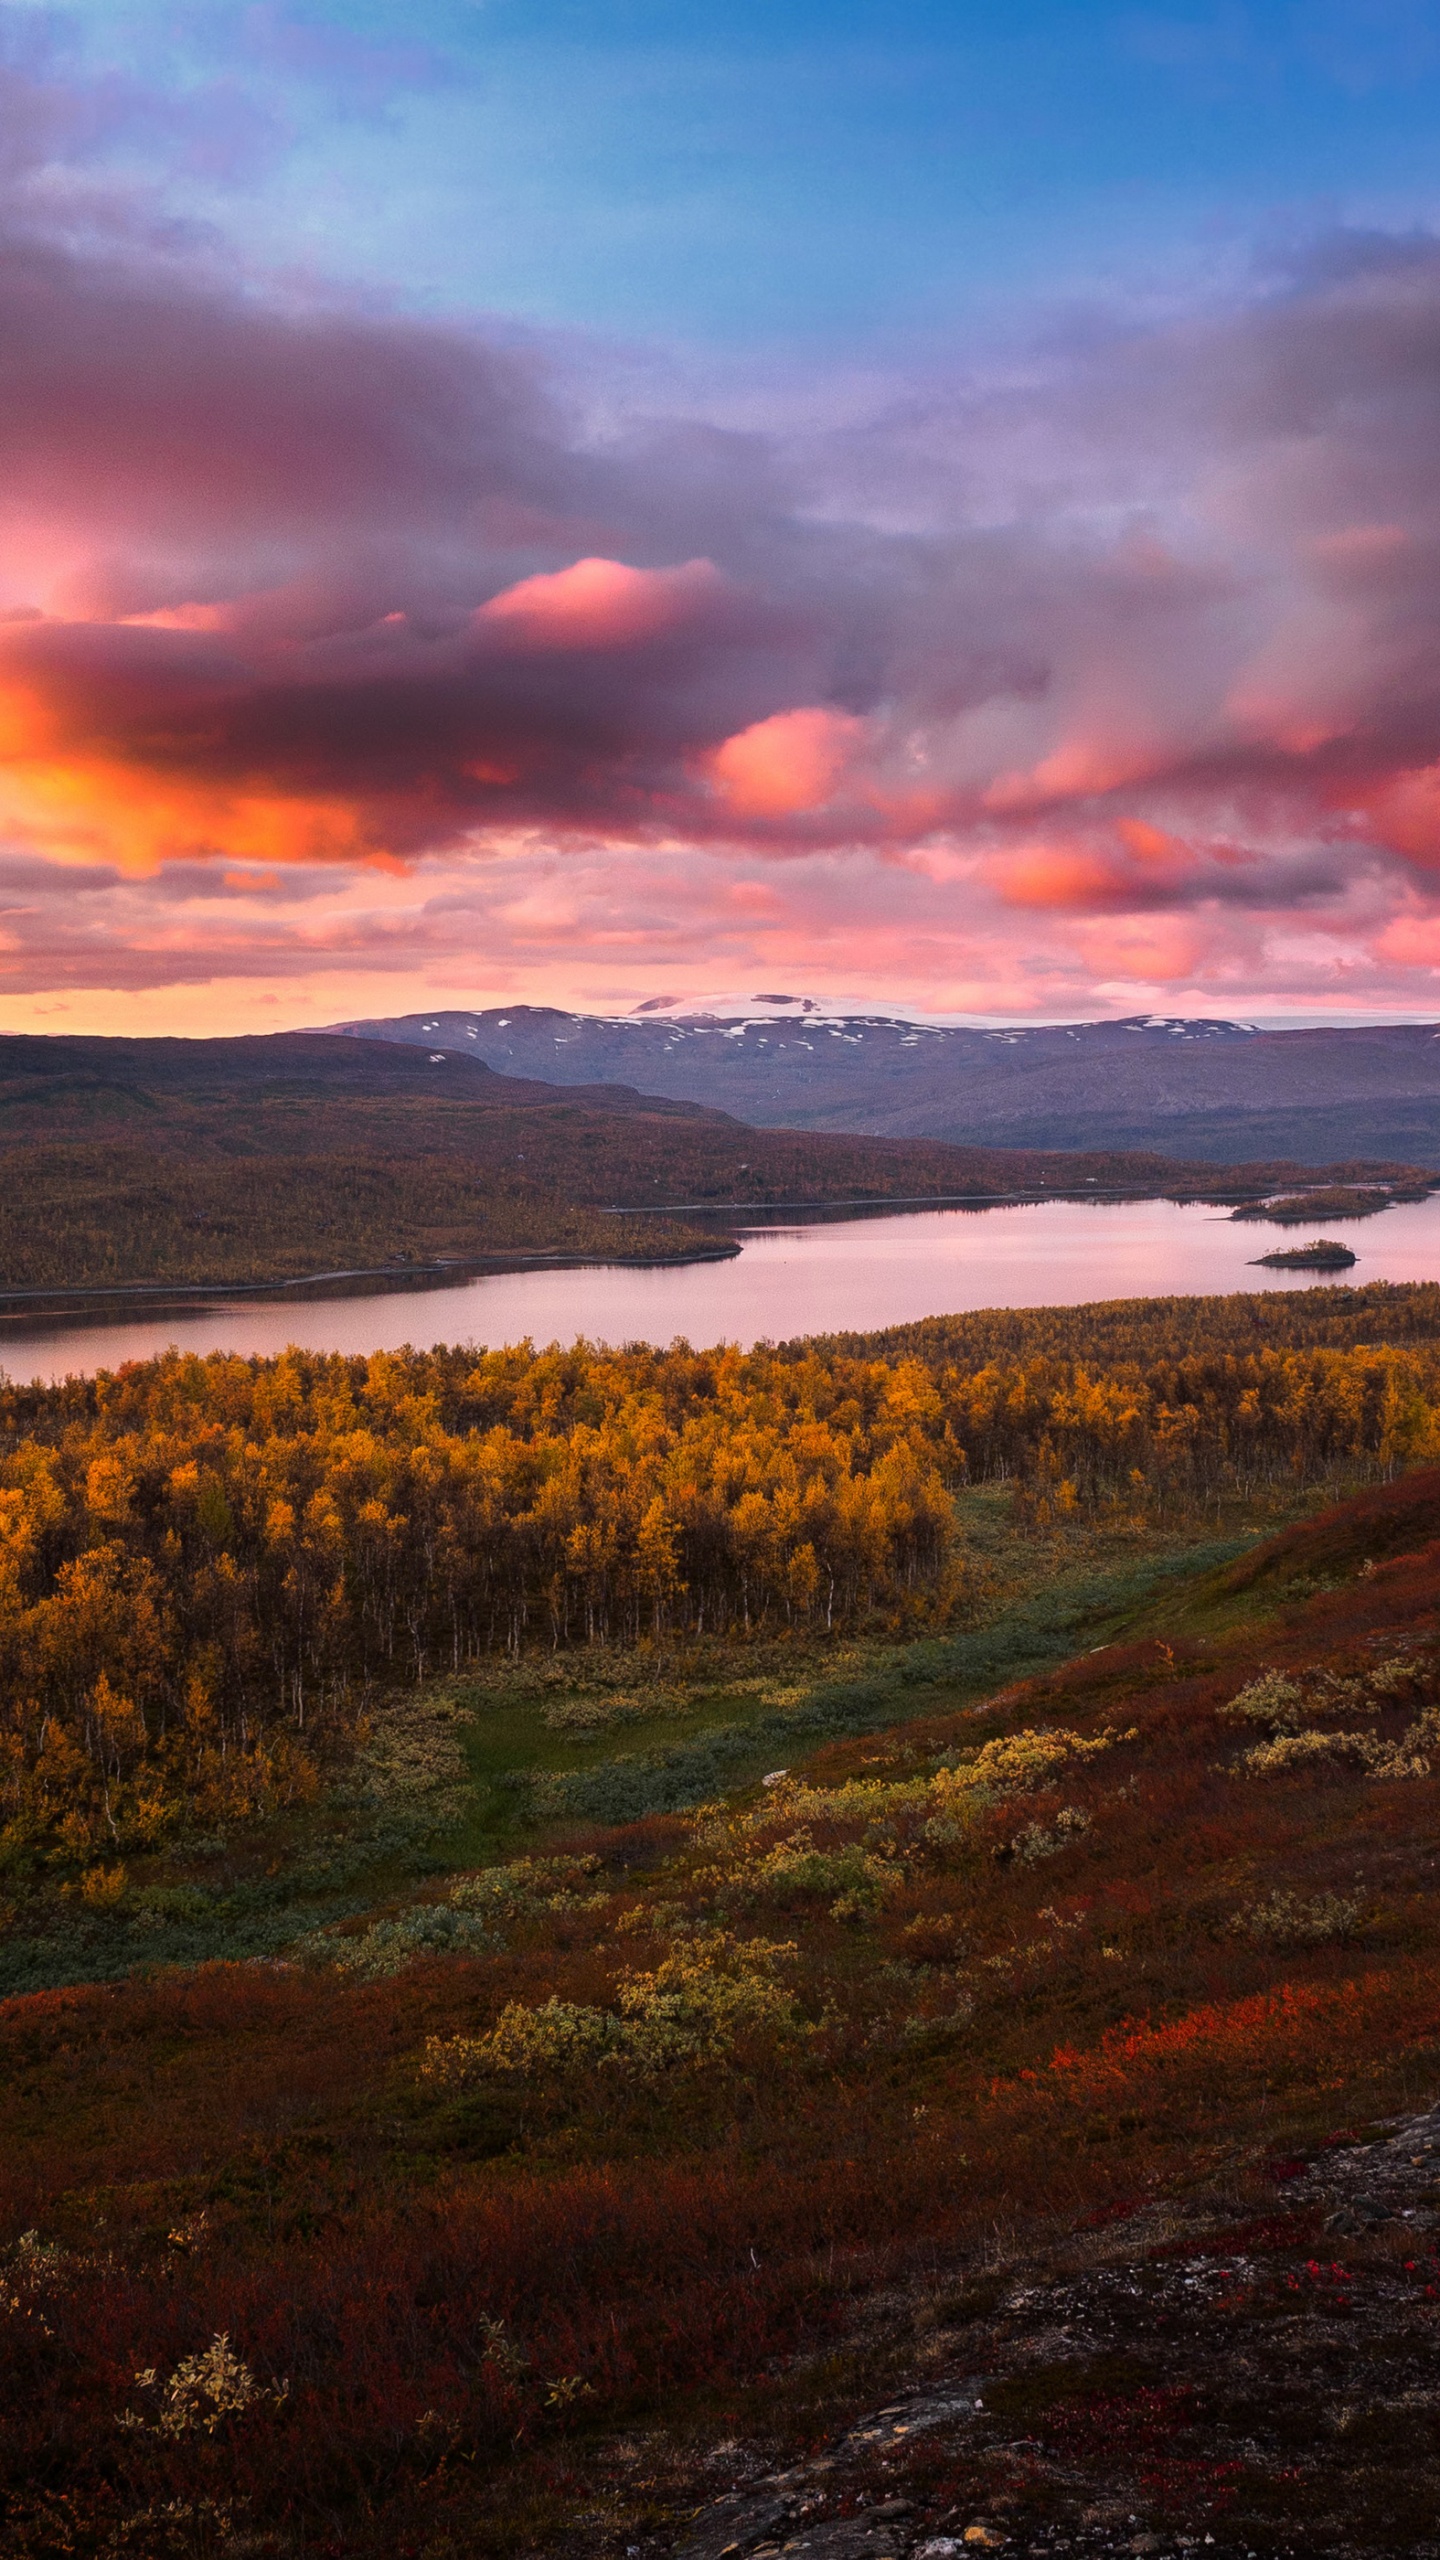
point(1221, 1092)
point(68, 1085)
point(131, 1164)
point(308, 1157)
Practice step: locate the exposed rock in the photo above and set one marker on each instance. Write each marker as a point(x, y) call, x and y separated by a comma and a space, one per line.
point(1220, 2342)
point(735, 2524)
point(848, 2538)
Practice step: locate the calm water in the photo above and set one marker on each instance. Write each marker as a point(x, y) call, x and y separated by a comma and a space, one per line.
point(851, 1276)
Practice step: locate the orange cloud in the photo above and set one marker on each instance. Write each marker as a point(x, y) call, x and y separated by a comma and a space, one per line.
point(1147, 843)
point(1145, 862)
point(600, 604)
point(83, 809)
point(785, 765)
point(1406, 814)
point(1050, 876)
point(29, 730)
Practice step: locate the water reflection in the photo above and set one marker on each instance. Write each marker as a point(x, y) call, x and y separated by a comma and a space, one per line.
point(821, 1278)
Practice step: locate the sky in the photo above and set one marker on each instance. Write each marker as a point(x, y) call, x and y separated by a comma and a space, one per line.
point(513, 500)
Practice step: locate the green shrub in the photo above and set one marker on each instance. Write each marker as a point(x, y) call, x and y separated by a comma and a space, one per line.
point(472, 1921)
point(697, 2004)
point(431, 1929)
point(1274, 1700)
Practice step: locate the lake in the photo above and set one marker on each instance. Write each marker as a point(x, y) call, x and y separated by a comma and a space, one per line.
point(840, 1276)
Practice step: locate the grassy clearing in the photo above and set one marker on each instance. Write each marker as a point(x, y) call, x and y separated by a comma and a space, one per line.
point(695, 1741)
point(477, 1768)
point(610, 1737)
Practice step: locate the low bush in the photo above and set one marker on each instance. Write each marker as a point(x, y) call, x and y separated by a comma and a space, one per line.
point(697, 2005)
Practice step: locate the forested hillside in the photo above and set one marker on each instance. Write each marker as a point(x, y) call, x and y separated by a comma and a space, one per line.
point(211, 1567)
point(971, 2132)
point(445, 2084)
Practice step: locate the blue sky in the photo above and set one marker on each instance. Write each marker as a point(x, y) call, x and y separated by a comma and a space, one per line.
point(833, 177)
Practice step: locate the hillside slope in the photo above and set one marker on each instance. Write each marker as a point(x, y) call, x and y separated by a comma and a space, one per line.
point(67, 1085)
point(1216, 1090)
point(238, 1162)
point(971, 2133)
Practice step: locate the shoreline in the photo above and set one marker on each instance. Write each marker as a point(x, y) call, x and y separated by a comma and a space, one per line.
point(1231, 1195)
point(21, 1308)
point(1235, 1196)
point(28, 1311)
point(77, 1298)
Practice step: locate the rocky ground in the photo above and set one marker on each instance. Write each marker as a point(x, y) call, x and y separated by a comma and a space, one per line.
point(1185, 2380)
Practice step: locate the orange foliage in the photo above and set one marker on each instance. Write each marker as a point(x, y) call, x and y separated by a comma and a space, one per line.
point(205, 1564)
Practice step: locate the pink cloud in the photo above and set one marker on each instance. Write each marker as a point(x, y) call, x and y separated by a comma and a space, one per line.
point(1405, 814)
point(787, 765)
point(1410, 942)
point(1059, 877)
point(1153, 951)
point(1090, 764)
point(601, 604)
point(315, 593)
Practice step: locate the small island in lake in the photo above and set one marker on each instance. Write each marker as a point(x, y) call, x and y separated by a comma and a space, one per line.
point(1333, 1200)
point(1323, 1255)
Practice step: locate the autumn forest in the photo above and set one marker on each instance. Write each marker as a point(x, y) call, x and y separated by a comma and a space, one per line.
point(213, 1567)
point(559, 1906)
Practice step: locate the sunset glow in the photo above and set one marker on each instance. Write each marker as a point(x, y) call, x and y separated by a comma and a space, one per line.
point(358, 638)
point(787, 764)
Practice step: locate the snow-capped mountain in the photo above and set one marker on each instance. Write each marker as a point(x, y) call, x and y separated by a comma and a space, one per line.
point(1204, 1087)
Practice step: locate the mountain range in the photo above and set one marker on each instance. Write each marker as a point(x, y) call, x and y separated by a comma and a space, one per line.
point(1212, 1090)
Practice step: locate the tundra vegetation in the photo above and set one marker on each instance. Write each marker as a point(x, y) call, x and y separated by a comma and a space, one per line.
point(556, 1902)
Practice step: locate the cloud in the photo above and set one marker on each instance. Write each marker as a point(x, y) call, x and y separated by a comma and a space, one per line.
point(291, 588)
point(787, 765)
point(362, 585)
point(601, 604)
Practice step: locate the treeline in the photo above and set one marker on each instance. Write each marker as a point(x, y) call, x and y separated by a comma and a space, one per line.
point(208, 1565)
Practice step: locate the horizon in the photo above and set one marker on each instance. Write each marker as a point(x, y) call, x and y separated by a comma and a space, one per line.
point(734, 1009)
point(536, 505)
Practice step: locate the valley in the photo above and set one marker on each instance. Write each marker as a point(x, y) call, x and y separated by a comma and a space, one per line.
point(719, 1678)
